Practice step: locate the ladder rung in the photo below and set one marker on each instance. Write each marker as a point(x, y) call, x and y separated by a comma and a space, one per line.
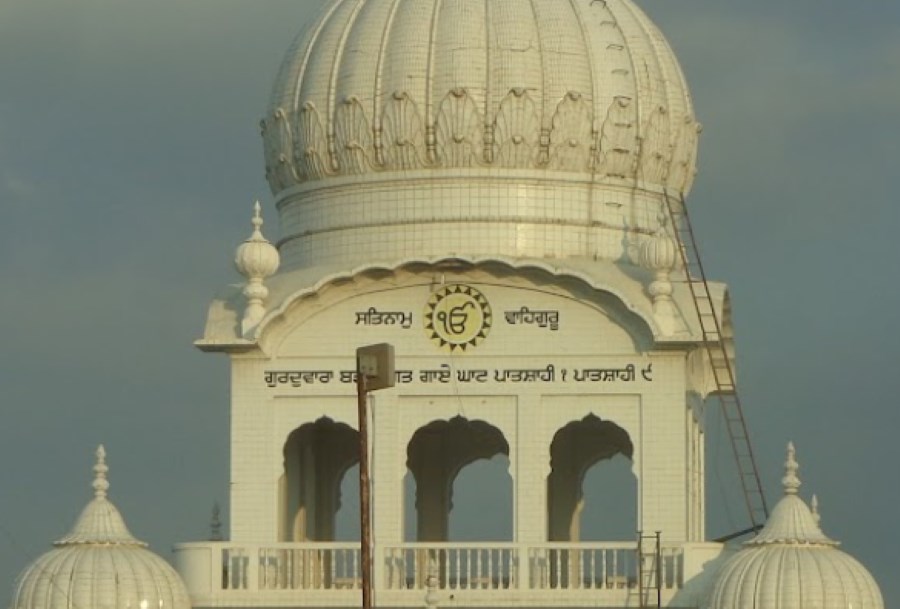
point(711, 332)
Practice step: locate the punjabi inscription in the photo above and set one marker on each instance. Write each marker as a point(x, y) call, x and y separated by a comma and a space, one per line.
point(444, 374)
point(374, 317)
point(525, 316)
point(297, 378)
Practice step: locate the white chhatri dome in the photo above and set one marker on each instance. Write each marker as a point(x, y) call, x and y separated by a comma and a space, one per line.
point(438, 127)
point(791, 564)
point(100, 565)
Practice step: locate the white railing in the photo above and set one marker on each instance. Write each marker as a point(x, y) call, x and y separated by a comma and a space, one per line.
point(327, 566)
point(487, 567)
point(601, 566)
point(457, 566)
point(671, 569)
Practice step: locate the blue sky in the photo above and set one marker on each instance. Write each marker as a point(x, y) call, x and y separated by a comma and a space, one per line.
point(130, 156)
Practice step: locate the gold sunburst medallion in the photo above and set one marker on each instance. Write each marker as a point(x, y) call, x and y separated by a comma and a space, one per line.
point(457, 317)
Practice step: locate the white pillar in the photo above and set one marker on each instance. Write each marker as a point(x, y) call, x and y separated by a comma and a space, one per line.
point(529, 467)
point(387, 467)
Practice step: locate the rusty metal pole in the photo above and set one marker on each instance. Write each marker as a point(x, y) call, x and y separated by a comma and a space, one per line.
point(365, 525)
point(374, 370)
point(659, 571)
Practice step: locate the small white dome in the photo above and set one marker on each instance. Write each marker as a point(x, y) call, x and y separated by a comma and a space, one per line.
point(100, 565)
point(791, 564)
point(541, 128)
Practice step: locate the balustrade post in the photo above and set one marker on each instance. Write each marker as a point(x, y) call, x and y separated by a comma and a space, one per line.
point(520, 568)
point(251, 568)
point(217, 571)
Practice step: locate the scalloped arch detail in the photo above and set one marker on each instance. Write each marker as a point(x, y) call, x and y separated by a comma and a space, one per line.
point(557, 275)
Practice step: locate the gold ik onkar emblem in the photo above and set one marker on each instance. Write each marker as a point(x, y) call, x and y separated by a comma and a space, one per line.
point(457, 317)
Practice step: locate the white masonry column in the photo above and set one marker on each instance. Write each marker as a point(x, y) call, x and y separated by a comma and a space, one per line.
point(664, 449)
point(531, 469)
point(387, 466)
point(254, 459)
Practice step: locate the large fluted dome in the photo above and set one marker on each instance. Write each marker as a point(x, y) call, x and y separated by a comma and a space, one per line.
point(437, 127)
point(100, 565)
point(792, 564)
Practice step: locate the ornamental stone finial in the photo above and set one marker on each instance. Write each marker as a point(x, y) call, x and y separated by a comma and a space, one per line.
point(659, 253)
point(100, 484)
point(790, 481)
point(814, 505)
point(255, 259)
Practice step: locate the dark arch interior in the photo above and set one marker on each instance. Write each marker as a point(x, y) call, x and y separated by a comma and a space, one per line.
point(437, 454)
point(316, 458)
point(576, 448)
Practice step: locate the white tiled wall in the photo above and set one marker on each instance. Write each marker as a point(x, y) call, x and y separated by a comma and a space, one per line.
point(323, 335)
point(396, 215)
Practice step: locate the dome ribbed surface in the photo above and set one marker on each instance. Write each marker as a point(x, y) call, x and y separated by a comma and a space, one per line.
point(100, 523)
point(791, 522)
point(792, 564)
point(100, 565)
point(794, 577)
point(405, 84)
point(525, 107)
point(97, 576)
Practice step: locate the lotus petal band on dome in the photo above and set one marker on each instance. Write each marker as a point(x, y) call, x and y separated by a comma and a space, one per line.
point(541, 128)
point(581, 86)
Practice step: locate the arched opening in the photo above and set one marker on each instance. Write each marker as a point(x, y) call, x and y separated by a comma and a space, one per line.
point(483, 502)
point(575, 450)
point(436, 455)
point(609, 495)
point(316, 458)
point(347, 517)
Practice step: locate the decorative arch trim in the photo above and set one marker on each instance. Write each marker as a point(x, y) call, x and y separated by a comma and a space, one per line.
point(634, 303)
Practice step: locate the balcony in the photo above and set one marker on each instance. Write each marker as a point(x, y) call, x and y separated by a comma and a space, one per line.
point(224, 574)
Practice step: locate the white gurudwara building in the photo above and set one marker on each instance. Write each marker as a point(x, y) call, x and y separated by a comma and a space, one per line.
point(495, 188)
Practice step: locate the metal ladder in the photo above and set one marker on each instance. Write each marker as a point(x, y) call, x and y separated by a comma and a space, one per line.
point(720, 364)
point(649, 564)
